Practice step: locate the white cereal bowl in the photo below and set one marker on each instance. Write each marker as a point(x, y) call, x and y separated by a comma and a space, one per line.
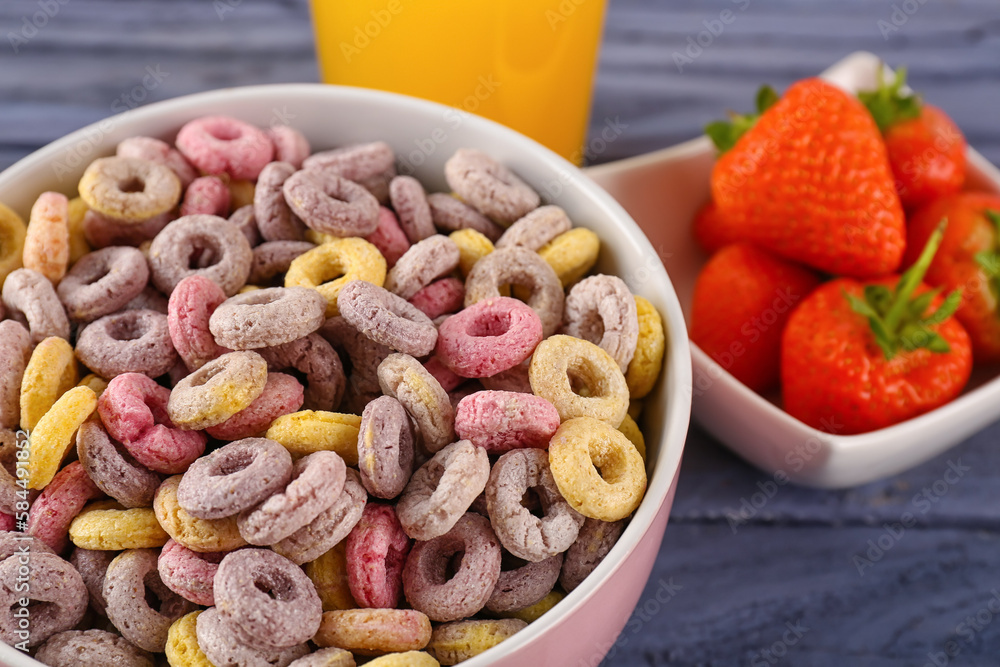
point(583, 626)
point(663, 191)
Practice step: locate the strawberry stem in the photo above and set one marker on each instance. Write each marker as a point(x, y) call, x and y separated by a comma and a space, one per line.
point(912, 277)
point(724, 134)
point(888, 104)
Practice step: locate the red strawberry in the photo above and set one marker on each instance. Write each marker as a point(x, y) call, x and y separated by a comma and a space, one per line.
point(712, 230)
point(810, 181)
point(926, 149)
point(856, 357)
point(742, 299)
point(969, 259)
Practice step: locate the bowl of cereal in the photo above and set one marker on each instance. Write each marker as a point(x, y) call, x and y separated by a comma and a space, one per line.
point(317, 410)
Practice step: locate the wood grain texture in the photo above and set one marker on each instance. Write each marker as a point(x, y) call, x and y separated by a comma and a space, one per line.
point(738, 578)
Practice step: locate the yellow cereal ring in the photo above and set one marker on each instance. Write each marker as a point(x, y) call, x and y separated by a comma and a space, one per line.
point(202, 535)
point(535, 611)
point(319, 238)
point(12, 233)
point(95, 382)
point(248, 288)
point(106, 526)
point(240, 193)
point(350, 258)
point(645, 366)
point(581, 447)
point(459, 641)
point(182, 643)
point(50, 373)
point(46, 245)
point(78, 246)
point(560, 362)
point(635, 409)
point(572, 254)
point(329, 575)
point(408, 659)
point(374, 631)
point(472, 246)
point(309, 431)
point(53, 435)
point(630, 430)
point(218, 390)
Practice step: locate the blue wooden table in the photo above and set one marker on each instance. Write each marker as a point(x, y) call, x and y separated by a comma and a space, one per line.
point(812, 577)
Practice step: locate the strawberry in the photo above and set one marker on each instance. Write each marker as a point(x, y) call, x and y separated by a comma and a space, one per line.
point(969, 259)
point(810, 181)
point(712, 230)
point(926, 149)
point(742, 299)
point(856, 357)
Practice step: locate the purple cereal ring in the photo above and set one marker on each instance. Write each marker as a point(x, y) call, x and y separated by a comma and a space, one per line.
point(488, 337)
point(282, 395)
point(59, 503)
point(499, 421)
point(155, 150)
point(273, 258)
point(15, 350)
point(425, 577)
point(372, 165)
point(218, 390)
point(234, 477)
point(267, 317)
point(266, 600)
point(275, 219)
point(326, 657)
point(220, 144)
point(102, 282)
point(376, 552)
point(489, 186)
point(386, 318)
point(424, 262)
point(330, 527)
point(318, 361)
point(452, 214)
point(10, 492)
point(130, 575)
point(92, 647)
point(207, 195)
point(521, 533)
point(388, 237)
point(188, 573)
point(448, 380)
point(127, 341)
point(133, 409)
point(525, 585)
point(601, 309)
point(513, 379)
point(7, 522)
point(591, 546)
point(93, 566)
point(331, 204)
point(50, 581)
point(317, 481)
point(224, 250)
point(364, 356)
point(410, 203)
point(405, 379)
point(15, 544)
point(519, 266)
point(290, 145)
point(189, 310)
point(440, 297)
point(385, 447)
point(149, 299)
point(536, 228)
point(31, 299)
point(101, 231)
point(442, 490)
point(245, 221)
point(217, 642)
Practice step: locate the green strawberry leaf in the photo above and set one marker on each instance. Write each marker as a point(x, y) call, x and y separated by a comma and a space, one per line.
point(767, 97)
point(861, 306)
point(921, 303)
point(888, 104)
point(880, 297)
point(990, 262)
point(946, 309)
point(725, 133)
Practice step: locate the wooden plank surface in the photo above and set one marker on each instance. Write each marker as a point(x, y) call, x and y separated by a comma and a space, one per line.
point(742, 566)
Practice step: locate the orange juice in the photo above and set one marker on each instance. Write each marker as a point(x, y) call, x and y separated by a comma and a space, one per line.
point(528, 64)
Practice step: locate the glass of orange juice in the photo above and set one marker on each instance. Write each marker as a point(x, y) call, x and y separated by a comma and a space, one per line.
point(528, 64)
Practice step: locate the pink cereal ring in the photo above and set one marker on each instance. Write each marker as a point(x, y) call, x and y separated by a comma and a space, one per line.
point(160, 152)
point(376, 552)
point(188, 573)
point(331, 204)
point(388, 237)
point(220, 144)
point(59, 503)
point(499, 421)
point(449, 381)
point(134, 411)
point(440, 297)
point(6, 521)
point(410, 202)
point(488, 337)
point(290, 145)
point(275, 219)
point(207, 194)
point(189, 310)
point(282, 395)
